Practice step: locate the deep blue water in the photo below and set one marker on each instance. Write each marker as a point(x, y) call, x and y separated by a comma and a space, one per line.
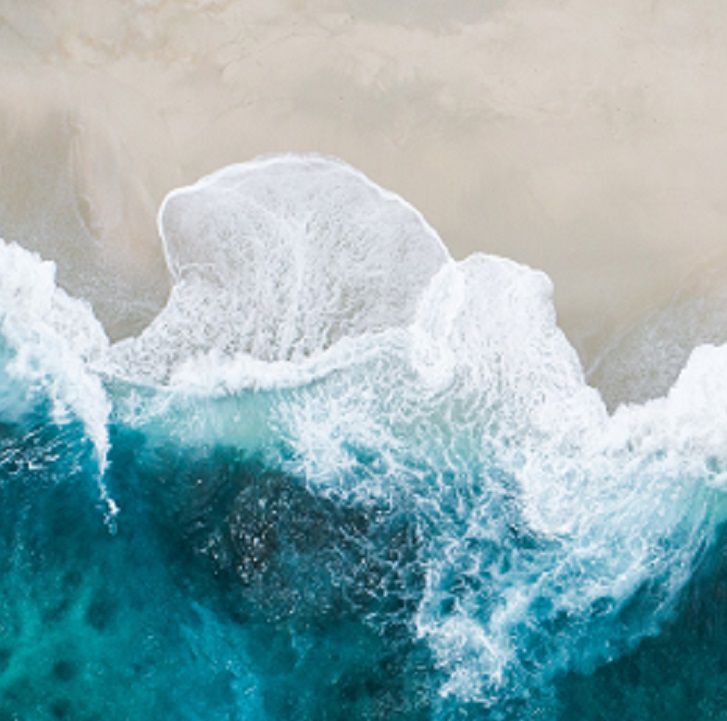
point(228, 591)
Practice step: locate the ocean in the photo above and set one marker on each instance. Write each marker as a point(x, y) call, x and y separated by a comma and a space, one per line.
point(342, 475)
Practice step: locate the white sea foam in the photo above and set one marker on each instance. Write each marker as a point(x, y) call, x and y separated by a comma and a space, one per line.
point(544, 514)
point(278, 259)
point(53, 339)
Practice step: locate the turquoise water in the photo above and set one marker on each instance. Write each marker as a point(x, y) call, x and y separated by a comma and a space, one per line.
point(342, 476)
point(230, 592)
point(204, 604)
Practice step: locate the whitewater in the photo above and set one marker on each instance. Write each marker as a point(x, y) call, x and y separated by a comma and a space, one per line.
point(336, 459)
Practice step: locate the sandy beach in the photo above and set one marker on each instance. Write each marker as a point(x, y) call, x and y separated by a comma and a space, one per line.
point(582, 138)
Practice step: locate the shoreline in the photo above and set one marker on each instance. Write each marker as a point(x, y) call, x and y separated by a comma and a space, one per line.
point(598, 164)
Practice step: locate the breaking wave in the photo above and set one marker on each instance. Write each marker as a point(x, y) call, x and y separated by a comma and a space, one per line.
point(318, 325)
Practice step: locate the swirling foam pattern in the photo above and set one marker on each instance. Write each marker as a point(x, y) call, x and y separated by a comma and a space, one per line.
point(358, 466)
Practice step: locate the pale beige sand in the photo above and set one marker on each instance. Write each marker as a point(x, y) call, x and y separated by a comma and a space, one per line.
point(583, 137)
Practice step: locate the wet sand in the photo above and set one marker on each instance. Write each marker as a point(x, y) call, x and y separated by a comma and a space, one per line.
point(585, 138)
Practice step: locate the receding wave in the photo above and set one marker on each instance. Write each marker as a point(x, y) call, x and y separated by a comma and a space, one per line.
point(277, 260)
